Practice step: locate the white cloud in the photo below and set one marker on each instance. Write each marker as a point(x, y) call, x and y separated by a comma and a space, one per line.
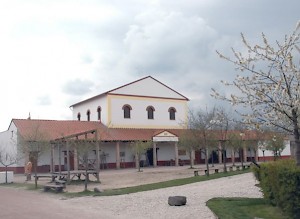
point(47, 47)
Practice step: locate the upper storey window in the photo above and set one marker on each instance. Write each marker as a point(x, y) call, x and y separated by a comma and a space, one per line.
point(78, 116)
point(99, 113)
point(127, 108)
point(150, 111)
point(172, 112)
point(88, 115)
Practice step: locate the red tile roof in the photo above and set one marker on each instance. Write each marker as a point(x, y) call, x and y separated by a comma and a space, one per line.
point(56, 129)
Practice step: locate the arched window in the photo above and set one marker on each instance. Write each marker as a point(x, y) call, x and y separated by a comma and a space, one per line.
point(150, 111)
point(99, 113)
point(88, 115)
point(127, 108)
point(78, 116)
point(172, 112)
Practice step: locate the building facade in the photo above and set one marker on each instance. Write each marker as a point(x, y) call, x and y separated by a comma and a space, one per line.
point(143, 110)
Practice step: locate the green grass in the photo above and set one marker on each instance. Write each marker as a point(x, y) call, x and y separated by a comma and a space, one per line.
point(153, 186)
point(246, 208)
point(29, 186)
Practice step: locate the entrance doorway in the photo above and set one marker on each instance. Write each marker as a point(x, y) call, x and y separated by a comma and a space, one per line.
point(149, 156)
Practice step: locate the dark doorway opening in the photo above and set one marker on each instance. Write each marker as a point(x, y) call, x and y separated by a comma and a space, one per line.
point(149, 155)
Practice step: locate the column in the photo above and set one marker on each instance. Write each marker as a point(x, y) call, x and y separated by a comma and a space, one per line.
point(136, 158)
point(59, 158)
point(232, 156)
point(154, 155)
point(220, 155)
point(75, 159)
point(118, 155)
point(256, 155)
point(97, 159)
point(245, 154)
point(52, 168)
point(193, 157)
point(176, 154)
point(68, 161)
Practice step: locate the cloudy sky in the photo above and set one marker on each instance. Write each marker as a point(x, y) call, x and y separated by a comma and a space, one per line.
point(56, 53)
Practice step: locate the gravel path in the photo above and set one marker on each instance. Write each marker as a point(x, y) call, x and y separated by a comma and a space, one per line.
point(153, 204)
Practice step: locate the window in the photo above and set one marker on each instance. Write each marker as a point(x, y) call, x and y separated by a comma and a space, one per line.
point(150, 111)
point(78, 116)
point(88, 115)
point(99, 113)
point(127, 109)
point(172, 112)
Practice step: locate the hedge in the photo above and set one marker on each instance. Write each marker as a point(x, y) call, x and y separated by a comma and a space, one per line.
point(280, 184)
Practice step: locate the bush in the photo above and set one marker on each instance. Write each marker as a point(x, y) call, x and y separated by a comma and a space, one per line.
point(280, 184)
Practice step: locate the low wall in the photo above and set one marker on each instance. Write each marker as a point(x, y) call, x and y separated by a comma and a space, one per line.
point(10, 177)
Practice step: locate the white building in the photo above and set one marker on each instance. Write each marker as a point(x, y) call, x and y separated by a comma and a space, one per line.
point(145, 110)
point(145, 103)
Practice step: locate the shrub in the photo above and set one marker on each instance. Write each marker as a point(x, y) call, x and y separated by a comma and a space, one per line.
point(280, 184)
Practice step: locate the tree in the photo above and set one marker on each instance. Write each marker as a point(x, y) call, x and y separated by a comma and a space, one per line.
point(83, 147)
point(276, 145)
point(8, 159)
point(201, 128)
point(188, 142)
point(33, 145)
point(139, 147)
point(269, 84)
point(235, 141)
point(222, 125)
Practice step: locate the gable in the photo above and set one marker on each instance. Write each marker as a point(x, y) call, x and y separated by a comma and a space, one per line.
point(165, 136)
point(148, 87)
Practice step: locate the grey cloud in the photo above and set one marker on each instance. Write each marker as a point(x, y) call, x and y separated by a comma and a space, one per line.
point(77, 87)
point(171, 42)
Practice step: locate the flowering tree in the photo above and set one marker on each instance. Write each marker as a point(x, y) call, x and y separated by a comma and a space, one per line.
point(139, 148)
point(201, 127)
point(269, 84)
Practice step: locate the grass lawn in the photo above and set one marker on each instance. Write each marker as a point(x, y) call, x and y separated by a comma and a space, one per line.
point(236, 208)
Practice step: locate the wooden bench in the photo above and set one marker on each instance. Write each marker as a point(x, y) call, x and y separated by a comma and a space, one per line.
point(196, 172)
point(43, 176)
point(60, 182)
point(55, 187)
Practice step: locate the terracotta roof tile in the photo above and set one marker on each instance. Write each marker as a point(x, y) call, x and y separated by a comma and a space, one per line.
point(56, 129)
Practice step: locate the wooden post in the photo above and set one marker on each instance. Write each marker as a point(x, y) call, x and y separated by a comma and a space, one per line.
point(52, 164)
point(154, 155)
point(176, 154)
point(118, 155)
point(59, 158)
point(75, 159)
point(97, 157)
point(68, 162)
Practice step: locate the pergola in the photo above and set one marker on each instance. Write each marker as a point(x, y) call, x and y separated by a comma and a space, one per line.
point(80, 139)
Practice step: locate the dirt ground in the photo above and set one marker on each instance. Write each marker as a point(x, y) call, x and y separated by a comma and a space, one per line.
point(32, 204)
point(110, 179)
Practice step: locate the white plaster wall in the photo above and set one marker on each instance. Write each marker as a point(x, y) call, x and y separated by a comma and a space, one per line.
point(8, 145)
point(147, 87)
point(92, 105)
point(286, 151)
point(139, 116)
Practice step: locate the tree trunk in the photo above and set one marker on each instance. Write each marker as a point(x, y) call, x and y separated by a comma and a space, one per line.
point(224, 160)
point(296, 137)
point(86, 174)
point(206, 162)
